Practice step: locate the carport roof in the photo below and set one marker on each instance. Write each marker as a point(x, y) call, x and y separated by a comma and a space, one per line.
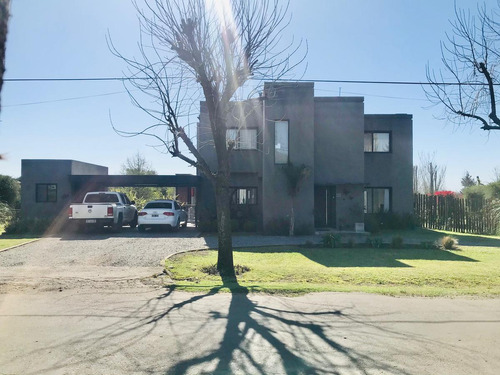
point(177, 180)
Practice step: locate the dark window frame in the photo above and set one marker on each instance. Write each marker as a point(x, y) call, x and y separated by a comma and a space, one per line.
point(288, 139)
point(378, 132)
point(234, 199)
point(372, 188)
point(46, 193)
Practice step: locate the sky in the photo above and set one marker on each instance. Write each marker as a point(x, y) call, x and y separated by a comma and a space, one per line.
point(383, 40)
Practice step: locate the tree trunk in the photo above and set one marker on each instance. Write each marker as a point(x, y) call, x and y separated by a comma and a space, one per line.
point(291, 232)
point(225, 263)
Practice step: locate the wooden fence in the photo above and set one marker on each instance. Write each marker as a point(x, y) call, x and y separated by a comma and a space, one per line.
point(472, 215)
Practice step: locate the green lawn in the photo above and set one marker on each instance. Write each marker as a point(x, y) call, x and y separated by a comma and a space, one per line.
point(6, 242)
point(470, 270)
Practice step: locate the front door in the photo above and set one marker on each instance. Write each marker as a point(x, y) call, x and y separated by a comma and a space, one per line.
point(325, 212)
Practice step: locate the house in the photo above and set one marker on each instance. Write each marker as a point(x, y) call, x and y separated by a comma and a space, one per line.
point(359, 163)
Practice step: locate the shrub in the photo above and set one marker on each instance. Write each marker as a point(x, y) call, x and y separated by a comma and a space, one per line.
point(27, 226)
point(397, 242)
point(374, 242)
point(374, 223)
point(278, 227)
point(212, 269)
point(235, 225)
point(249, 226)
point(208, 226)
point(448, 242)
point(331, 240)
point(350, 243)
point(6, 213)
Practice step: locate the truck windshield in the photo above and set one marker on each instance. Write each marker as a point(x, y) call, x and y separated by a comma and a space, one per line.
point(101, 198)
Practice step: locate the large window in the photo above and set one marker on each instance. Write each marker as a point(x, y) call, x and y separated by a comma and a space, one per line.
point(46, 192)
point(281, 142)
point(377, 142)
point(377, 200)
point(244, 196)
point(243, 139)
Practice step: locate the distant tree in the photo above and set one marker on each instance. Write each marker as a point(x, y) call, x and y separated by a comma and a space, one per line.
point(467, 180)
point(295, 176)
point(10, 190)
point(471, 56)
point(430, 174)
point(416, 180)
point(138, 165)
point(10, 198)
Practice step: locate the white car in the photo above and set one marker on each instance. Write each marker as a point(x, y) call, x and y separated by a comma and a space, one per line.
point(162, 212)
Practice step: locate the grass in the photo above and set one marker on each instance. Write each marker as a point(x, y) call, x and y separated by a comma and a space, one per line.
point(9, 242)
point(470, 270)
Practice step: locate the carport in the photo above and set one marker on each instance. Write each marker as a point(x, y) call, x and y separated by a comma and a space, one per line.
point(49, 186)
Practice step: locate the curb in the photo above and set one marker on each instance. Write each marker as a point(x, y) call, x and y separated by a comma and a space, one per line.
point(19, 245)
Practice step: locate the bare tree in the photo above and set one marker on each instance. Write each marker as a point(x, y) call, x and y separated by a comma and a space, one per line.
point(206, 49)
point(431, 176)
point(471, 56)
point(4, 19)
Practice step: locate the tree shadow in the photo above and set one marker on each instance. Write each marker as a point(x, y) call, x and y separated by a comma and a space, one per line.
point(365, 257)
point(248, 336)
point(279, 336)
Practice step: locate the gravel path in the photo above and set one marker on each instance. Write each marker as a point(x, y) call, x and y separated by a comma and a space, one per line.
point(95, 260)
point(126, 249)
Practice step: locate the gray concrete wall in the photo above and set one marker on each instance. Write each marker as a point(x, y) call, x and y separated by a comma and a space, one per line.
point(338, 140)
point(40, 171)
point(338, 154)
point(293, 102)
point(393, 169)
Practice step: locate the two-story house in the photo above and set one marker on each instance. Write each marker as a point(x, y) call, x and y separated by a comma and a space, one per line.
point(358, 163)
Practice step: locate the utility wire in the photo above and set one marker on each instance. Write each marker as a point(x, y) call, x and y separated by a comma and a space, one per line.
point(369, 82)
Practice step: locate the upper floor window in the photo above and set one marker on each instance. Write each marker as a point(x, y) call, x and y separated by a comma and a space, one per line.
point(377, 142)
point(281, 142)
point(377, 200)
point(46, 192)
point(243, 139)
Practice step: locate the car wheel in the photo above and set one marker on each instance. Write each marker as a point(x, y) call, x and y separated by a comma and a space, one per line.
point(185, 224)
point(133, 223)
point(177, 226)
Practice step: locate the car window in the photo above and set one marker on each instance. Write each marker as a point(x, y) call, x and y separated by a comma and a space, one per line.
point(166, 205)
point(177, 207)
point(125, 199)
point(101, 198)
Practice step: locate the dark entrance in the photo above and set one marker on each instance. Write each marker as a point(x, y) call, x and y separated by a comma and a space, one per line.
point(325, 211)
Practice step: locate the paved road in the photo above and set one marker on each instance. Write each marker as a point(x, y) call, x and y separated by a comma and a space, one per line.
point(157, 331)
point(87, 305)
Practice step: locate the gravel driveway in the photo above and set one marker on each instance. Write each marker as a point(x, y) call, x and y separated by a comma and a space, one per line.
point(75, 260)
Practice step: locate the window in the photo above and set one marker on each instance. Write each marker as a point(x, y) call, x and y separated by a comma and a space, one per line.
point(377, 200)
point(101, 198)
point(281, 142)
point(244, 196)
point(244, 139)
point(165, 205)
point(46, 192)
point(377, 142)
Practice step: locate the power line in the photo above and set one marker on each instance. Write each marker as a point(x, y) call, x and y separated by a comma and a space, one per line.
point(367, 82)
point(64, 99)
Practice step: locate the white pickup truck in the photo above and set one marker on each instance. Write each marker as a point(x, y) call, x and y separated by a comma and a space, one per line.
point(104, 208)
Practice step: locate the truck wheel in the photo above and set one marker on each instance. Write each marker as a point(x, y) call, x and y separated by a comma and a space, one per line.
point(133, 223)
point(117, 227)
